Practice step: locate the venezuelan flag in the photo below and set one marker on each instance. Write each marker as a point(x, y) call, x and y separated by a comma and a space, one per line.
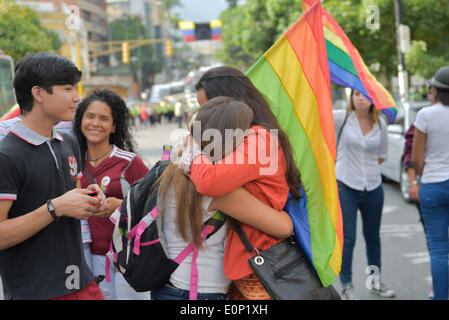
point(188, 30)
point(294, 76)
point(12, 113)
point(347, 68)
point(215, 28)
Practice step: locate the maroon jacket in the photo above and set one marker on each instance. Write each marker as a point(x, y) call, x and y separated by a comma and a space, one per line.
point(107, 174)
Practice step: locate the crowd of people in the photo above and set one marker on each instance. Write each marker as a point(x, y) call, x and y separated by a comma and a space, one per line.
point(66, 165)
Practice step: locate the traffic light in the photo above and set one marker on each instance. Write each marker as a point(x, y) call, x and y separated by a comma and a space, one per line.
point(203, 31)
point(168, 48)
point(125, 52)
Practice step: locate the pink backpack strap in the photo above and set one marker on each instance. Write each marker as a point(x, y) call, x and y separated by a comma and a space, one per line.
point(139, 228)
point(193, 295)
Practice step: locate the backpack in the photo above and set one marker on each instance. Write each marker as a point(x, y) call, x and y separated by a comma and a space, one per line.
point(137, 248)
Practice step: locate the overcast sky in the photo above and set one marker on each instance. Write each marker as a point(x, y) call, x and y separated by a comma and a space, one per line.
point(201, 10)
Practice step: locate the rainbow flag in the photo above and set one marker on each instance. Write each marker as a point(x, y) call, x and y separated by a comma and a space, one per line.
point(12, 113)
point(347, 68)
point(294, 76)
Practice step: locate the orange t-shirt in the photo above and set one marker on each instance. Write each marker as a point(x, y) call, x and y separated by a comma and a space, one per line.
point(259, 166)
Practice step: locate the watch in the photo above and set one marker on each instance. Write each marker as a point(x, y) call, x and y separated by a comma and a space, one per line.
point(51, 209)
point(414, 182)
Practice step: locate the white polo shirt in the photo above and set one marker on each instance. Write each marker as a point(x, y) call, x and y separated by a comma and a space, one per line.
point(433, 121)
point(357, 163)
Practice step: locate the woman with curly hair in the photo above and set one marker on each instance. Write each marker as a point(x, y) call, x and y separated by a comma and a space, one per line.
point(102, 125)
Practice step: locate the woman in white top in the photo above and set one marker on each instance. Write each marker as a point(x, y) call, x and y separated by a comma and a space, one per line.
point(361, 147)
point(431, 157)
point(184, 210)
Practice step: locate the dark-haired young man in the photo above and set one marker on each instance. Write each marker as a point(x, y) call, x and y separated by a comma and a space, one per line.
point(41, 255)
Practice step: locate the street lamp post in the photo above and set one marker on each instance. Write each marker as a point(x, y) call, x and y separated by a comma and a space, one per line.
point(402, 72)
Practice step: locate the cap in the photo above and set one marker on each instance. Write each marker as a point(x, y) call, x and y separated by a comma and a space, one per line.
point(441, 79)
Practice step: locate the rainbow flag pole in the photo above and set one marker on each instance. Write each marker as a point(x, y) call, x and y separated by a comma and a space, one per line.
point(294, 76)
point(347, 68)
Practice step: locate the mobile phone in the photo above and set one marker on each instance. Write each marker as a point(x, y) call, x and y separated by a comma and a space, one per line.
point(93, 194)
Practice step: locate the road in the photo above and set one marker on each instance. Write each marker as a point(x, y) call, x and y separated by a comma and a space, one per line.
point(405, 257)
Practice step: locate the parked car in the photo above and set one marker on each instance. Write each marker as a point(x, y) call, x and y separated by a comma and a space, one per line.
point(392, 168)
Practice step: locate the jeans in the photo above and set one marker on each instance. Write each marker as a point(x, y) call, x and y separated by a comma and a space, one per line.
point(435, 210)
point(168, 292)
point(370, 204)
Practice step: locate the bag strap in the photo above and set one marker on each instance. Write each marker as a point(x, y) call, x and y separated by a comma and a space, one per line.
point(341, 129)
point(214, 223)
point(211, 226)
point(124, 184)
point(236, 225)
point(89, 176)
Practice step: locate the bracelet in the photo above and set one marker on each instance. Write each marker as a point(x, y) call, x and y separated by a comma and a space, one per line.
point(414, 182)
point(51, 209)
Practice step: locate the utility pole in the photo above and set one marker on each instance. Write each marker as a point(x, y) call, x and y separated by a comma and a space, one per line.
point(402, 72)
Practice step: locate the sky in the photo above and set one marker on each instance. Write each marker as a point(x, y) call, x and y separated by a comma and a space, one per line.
point(201, 10)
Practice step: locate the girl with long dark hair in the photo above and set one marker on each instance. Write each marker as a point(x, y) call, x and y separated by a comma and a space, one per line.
point(103, 128)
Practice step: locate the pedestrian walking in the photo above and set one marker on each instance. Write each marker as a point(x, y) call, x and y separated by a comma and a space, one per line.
point(361, 147)
point(269, 181)
point(179, 112)
point(41, 255)
point(413, 178)
point(144, 117)
point(103, 128)
point(184, 209)
point(431, 159)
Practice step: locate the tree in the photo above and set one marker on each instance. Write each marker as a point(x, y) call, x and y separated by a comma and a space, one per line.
point(131, 28)
point(21, 32)
point(169, 4)
point(232, 3)
point(250, 29)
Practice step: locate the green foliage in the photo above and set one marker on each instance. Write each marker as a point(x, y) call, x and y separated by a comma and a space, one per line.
point(168, 4)
point(419, 62)
point(250, 29)
point(232, 3)
point(131, 28)
point(21, 32)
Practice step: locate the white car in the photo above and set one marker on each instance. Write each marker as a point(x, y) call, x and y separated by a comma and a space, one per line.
point(392, 168)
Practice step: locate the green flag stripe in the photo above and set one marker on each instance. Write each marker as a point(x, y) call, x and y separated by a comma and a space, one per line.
point(322, 241)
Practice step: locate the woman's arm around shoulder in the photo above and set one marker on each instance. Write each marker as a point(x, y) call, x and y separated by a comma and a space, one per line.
point(234, 170)
point(244, 207)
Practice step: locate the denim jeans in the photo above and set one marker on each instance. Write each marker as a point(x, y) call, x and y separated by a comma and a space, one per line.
point(370, 204)
point(434, 198)
point(170, 293)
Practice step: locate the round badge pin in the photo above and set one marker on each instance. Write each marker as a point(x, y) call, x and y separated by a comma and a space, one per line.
point(105, 181)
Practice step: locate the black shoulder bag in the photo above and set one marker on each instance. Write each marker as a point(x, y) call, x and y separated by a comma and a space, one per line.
point(285, 272)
